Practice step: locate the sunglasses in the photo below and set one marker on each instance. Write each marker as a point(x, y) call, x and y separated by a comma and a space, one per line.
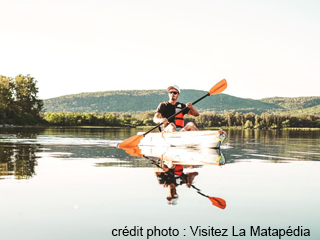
point(173, 93)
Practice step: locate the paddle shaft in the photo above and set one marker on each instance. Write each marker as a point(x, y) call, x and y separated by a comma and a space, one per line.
point(199, 191)
point(208, 94)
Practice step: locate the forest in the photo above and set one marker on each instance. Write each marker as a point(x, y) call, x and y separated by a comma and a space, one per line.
point(19, 102)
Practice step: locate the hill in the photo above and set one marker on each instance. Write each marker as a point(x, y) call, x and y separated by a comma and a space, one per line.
point(148, 100)
point(297, 105)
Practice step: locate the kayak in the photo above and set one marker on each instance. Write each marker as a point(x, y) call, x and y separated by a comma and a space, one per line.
point(207, 139)
point(184, 156)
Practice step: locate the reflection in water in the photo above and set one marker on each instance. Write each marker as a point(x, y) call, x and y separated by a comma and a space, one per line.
point(172, 175)
point(275, 146)
point(20, 133)
point(71, 184)
point(18, 161)
point(21, 147)
point(186, 156)
point(170, 163)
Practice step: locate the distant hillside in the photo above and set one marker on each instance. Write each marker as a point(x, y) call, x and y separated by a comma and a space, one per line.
point(308, 111)
point(308, 105)
point(148, 100)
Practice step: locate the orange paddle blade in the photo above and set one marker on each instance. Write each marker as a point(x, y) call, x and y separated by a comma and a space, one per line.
point(131, 142)
point(219, 87)
point(133, 151)
point(218, 202)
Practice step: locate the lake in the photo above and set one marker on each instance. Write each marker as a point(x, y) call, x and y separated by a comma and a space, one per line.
point(73, 183)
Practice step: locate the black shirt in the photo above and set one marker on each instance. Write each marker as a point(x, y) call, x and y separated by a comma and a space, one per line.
point(167, 109)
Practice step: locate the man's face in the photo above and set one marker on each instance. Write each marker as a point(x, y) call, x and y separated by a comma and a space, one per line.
point(173, 94)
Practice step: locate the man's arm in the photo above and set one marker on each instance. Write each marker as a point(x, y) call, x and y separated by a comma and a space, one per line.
point(193, 111)
point(159, 119)
point(158, 116)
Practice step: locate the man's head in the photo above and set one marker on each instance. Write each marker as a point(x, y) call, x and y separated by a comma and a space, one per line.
point(174, 92)
point(173, 88)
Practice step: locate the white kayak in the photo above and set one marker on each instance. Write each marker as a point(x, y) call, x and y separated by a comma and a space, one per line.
point(207, 139)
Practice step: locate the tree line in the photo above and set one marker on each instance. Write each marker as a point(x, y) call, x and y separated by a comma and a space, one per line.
point(19, 102)
point(257, 121)
point(205, 120)
point(99, 119)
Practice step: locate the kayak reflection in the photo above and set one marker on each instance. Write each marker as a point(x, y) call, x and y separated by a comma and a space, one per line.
point(184, 156)
point(171, 163)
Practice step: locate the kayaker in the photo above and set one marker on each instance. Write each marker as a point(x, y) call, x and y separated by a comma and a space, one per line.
point(167, 109)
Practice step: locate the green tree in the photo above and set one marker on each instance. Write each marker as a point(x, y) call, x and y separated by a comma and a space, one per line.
point(6, 98)
point(257, 122)
point(230, 117)
point(239, 119)
point(27, 103)
point(249, 116)
point(248, 124)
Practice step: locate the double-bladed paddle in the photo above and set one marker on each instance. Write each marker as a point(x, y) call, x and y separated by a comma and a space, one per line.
point(135, 140)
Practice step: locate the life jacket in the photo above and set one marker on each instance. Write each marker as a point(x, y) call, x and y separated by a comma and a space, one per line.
point(178, 169)
point(178, 119)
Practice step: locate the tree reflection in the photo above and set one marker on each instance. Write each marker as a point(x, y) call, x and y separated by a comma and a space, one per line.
point(18, 161)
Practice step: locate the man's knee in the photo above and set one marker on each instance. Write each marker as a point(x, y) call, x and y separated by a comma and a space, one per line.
point(170, 128)
point(190, 127)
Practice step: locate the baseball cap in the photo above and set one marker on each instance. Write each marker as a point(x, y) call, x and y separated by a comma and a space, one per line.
point(173, 86)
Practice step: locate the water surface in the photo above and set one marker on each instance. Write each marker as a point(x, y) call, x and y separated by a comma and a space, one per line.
point(73, 183)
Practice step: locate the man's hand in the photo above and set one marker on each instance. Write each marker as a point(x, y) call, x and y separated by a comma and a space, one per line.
point(159, 119)
point(164, 120)
point(189, 105)
point(193, 111)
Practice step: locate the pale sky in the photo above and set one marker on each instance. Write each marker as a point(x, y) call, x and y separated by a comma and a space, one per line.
point(264, 48)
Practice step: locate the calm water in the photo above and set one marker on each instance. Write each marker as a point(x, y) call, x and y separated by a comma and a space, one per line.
point(75, 184)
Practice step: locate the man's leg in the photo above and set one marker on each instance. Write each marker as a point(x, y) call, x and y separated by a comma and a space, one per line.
point(190, 127)
point(170, 128)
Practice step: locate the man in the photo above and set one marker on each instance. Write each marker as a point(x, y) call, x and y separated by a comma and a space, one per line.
point(167, 109)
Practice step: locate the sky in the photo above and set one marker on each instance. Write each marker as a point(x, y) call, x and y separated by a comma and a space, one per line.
point(263, 48)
